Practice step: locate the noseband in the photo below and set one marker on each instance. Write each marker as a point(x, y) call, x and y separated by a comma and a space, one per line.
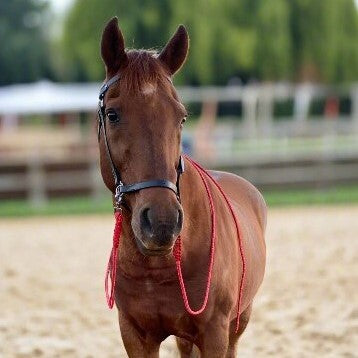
point(121, 188)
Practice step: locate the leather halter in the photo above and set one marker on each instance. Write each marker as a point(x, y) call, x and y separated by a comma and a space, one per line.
point(121, 188)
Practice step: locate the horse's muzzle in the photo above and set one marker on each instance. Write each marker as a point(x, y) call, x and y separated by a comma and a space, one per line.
point(159, 228)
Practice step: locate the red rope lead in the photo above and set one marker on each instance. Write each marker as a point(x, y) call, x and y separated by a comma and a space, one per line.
point(239, 237)
point(177, 255)
point(112, 262)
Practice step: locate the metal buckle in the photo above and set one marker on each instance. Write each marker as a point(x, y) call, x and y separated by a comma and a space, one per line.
point(103, 91)
point(181, 166)
point(118, 196)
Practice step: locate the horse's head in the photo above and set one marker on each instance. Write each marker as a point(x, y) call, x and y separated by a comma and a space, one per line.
point(144, 118)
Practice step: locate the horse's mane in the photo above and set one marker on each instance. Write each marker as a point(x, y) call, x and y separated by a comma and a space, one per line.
point(143, 67)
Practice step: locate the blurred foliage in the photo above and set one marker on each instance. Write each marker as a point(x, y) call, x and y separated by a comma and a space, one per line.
point(270, 40)
point(267, 40)
point(231, 40)
point(24, 53)
point(325, 36)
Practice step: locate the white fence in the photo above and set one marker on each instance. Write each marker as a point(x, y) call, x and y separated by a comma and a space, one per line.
point(327, 154)
point(257, 103)
point(39, 179)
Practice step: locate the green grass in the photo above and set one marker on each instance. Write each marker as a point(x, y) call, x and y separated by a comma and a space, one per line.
point(337, 195)
point(68, 206)
point(83, 206)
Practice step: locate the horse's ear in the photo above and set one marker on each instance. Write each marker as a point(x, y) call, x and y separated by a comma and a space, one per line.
point(112, 47)
point(174, 53)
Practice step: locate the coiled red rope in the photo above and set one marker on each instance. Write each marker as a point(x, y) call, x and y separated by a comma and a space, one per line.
point(177, 251)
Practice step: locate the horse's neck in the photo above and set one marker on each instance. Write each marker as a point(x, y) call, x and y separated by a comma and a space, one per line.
point(195, 234)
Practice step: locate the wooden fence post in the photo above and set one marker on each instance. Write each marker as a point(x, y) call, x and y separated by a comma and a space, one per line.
point(36, 181)
point(96, 180)
point(354, 111)
point(249, 103)
point(265, 110)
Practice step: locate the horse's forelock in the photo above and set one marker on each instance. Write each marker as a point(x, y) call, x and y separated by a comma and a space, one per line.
point(143, 68)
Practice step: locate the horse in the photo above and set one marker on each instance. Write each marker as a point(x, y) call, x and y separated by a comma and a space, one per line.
point(174, 222)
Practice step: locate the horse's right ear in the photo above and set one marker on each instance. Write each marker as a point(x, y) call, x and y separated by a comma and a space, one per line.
point(176, 50)
point(112, 47)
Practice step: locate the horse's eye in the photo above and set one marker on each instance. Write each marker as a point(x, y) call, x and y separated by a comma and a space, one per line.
point(112, 115)
point(183, 120)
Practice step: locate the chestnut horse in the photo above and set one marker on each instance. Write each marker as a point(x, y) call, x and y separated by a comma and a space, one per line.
point(141, 119)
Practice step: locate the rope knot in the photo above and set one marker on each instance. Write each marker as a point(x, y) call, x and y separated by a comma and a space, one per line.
point(177, 249)
point(118, 228)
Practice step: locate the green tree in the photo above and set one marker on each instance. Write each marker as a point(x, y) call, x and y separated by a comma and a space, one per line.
point(220, 45)
point(268, 40)
point(324, 37)
point(273, 47)
point(24, 51)
point(144, 23)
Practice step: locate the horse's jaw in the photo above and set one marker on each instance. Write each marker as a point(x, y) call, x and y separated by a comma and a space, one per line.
point(145, 251)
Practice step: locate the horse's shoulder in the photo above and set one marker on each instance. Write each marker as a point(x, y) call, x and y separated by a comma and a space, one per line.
point(242, 191)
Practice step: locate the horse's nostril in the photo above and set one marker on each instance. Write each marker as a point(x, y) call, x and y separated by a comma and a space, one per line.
point(180, 220)
point(160, 225)
point(146, 222)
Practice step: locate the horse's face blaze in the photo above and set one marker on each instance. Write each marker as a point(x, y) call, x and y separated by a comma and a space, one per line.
point(144, 121)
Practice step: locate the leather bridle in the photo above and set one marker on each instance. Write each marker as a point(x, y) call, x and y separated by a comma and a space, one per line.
point(120, 187)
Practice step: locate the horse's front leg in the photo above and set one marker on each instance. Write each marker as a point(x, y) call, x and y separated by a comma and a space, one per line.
point(135, 344)
point(214, 342)
point(244, 320)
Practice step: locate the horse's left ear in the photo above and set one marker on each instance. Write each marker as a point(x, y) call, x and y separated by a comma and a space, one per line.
point(112, 47)
point(174, 53)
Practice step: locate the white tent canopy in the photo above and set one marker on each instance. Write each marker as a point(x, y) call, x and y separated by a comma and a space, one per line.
point(45, 97)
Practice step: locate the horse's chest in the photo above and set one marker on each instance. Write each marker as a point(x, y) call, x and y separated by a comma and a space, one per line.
point(146, 294)
point(153, 305)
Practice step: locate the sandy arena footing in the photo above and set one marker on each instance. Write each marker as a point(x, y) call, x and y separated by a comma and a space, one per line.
point(52, 301)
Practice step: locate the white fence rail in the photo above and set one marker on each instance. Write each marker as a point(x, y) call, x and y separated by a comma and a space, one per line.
point(40, 177)
point(39, 180)
point(257, 102)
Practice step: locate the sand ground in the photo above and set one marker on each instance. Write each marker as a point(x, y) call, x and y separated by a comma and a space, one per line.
point(52, 301)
